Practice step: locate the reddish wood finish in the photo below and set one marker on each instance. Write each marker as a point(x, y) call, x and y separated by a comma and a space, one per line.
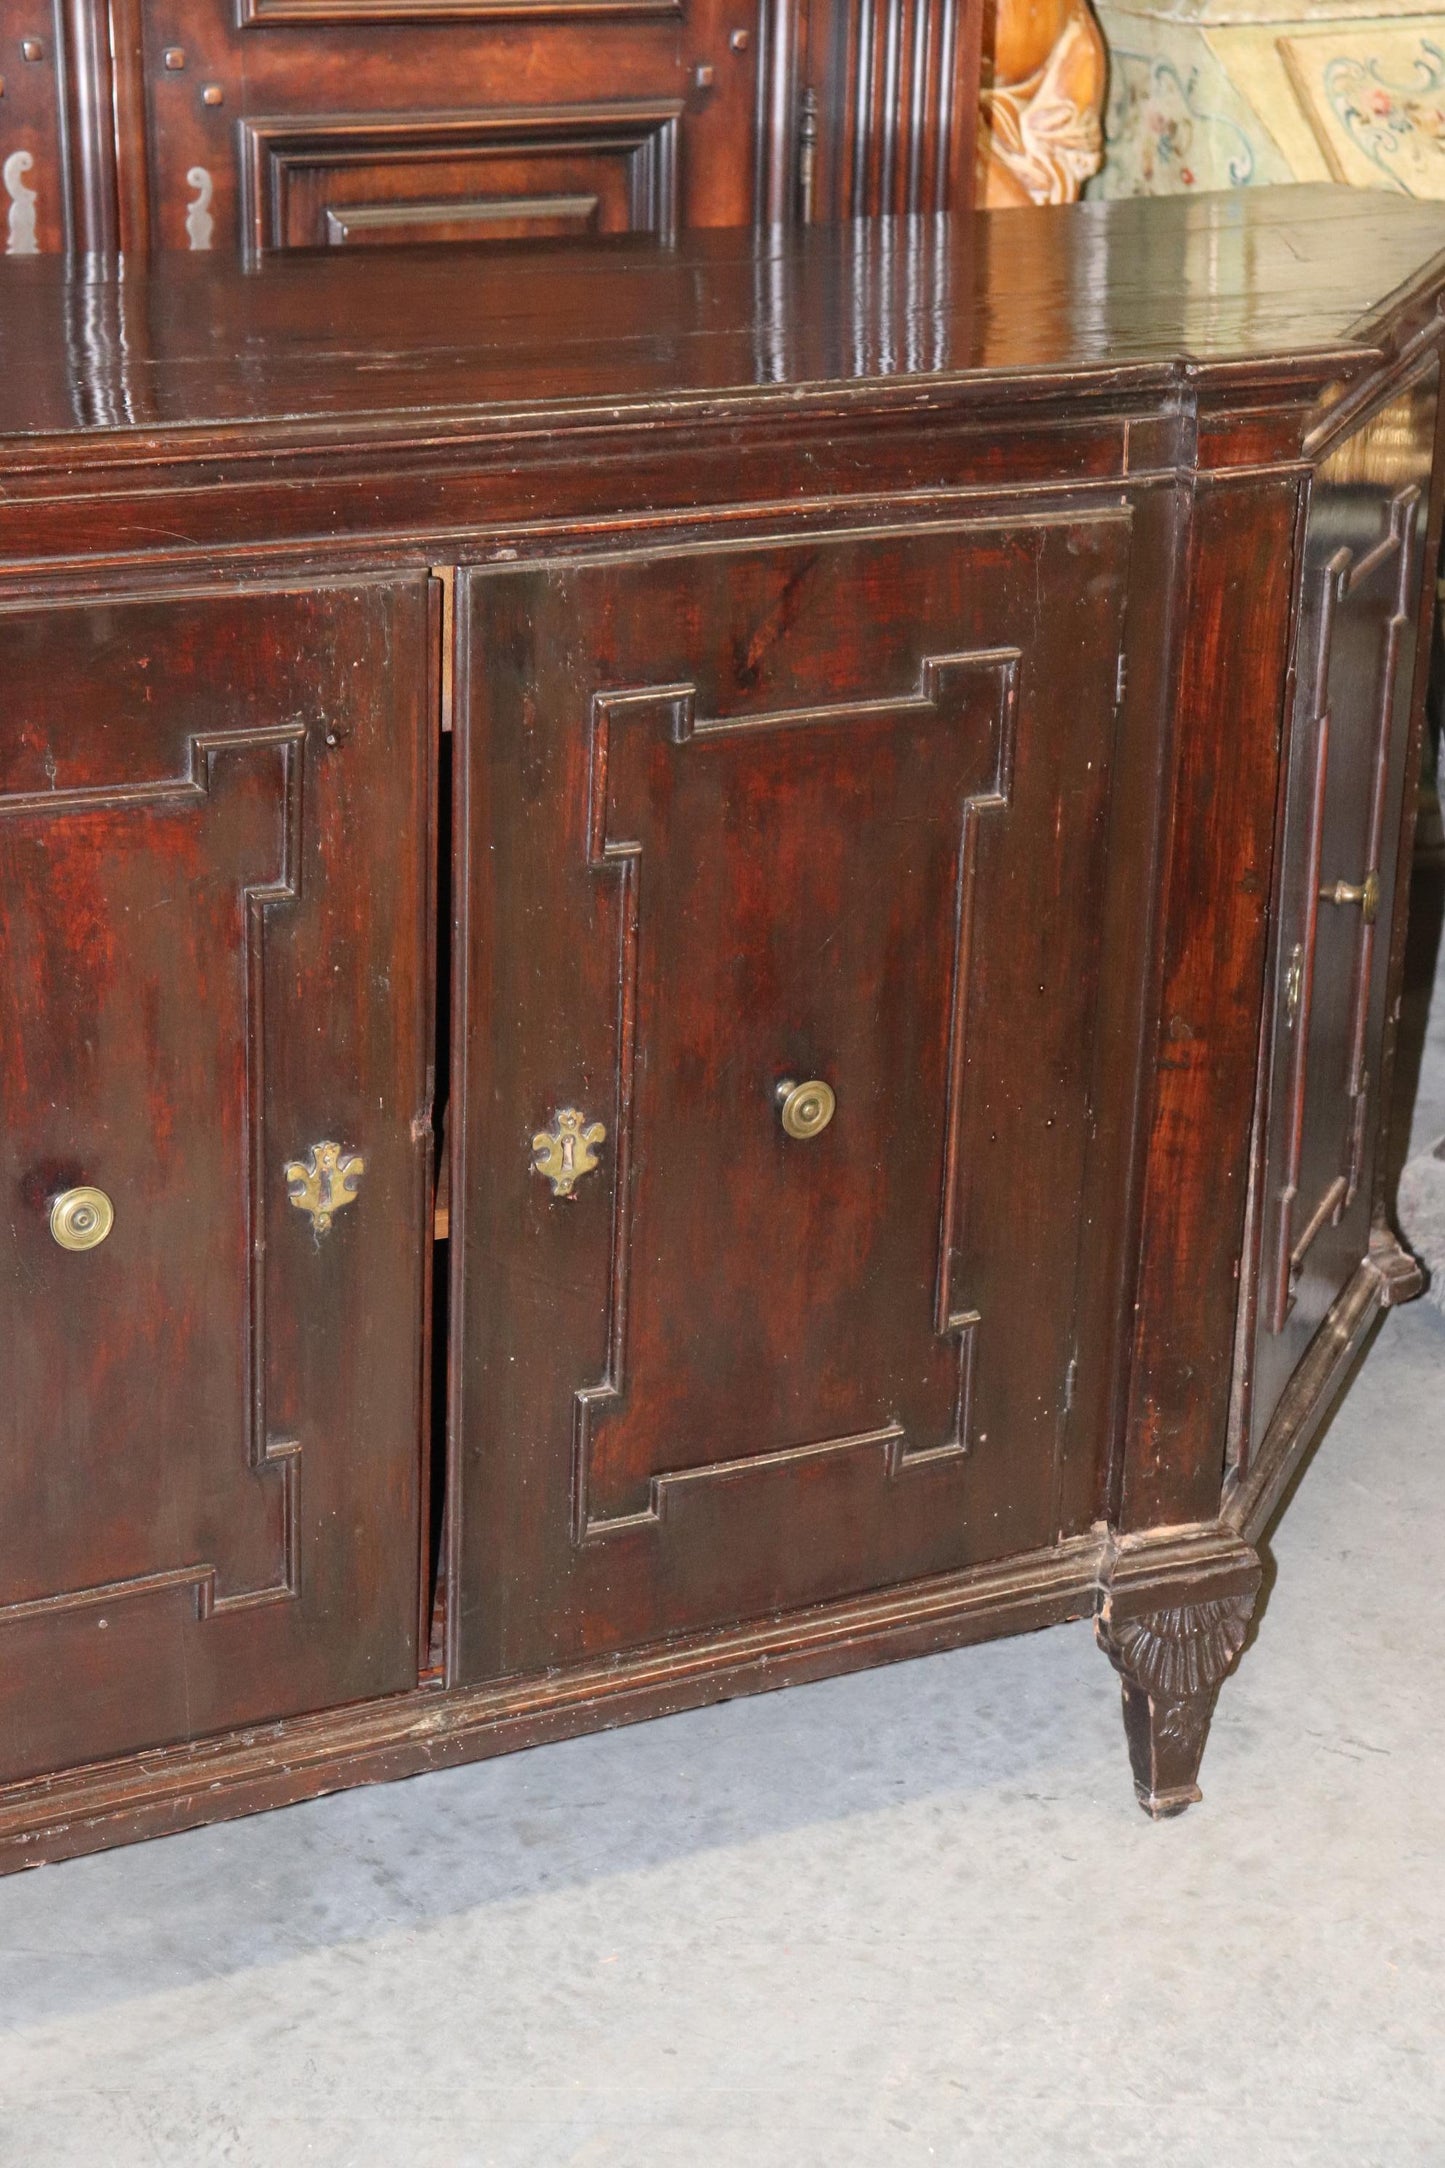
point(891, 93)
point(1217, 882)
point(265, 124)
point(348, 117)
point(872, 661)
point(34, 207)
point(212, 851)
point(734, 817)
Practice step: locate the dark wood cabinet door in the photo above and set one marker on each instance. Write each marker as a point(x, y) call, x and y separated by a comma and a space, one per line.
point(1354, 681)
point(326, 123)
point(735, 818)
point(213, 858)
point(266, 124)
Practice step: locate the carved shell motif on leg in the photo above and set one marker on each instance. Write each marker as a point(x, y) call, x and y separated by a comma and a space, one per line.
point(1180, 1652)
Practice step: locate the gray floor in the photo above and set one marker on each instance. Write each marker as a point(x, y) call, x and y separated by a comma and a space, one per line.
point(909, 1917)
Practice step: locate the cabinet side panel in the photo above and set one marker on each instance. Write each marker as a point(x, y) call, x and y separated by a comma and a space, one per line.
point(1364, 562)
point(1228, 722)
point(1391, 1148)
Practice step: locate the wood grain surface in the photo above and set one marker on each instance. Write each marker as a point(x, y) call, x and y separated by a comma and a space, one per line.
point(887, 655)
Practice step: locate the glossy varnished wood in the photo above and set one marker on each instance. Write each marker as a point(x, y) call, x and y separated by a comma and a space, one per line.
point(1085, 299)
point(1217, 872)
point(792, 812)
point(874, 658)
point(218, 125)
point(212, 848)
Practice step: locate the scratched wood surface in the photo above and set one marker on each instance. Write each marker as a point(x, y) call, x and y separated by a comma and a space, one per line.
point(820, 826)
point(212, 855)
point(1096, 288)
point(876, 655)
point(262, 125)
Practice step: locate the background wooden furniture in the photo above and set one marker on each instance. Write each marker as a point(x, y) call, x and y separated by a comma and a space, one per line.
point(266, 124)
point(873, 788)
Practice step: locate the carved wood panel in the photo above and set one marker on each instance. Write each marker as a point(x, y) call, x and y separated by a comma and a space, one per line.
point(361, 12)
point(199, 124)
point(432, 123)
point(784, 823)
point(962, 720)
point(203, 1497)
point(317, 180)
point(1354, 677)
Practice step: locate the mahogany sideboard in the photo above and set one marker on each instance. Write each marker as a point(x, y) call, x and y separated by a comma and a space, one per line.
point(857, 779)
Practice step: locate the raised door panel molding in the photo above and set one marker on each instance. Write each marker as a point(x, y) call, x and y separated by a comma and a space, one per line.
point(1323, 1044)
point(199, 1502)
point(1301, 1218)
point(232, 819)
point(794, 109)
point(251, 14)
point(961, 719)
point(309, 180)
point(747, 818)
point(461, 218)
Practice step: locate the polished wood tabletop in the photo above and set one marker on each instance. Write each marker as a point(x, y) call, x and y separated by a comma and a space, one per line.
point(1094, 291)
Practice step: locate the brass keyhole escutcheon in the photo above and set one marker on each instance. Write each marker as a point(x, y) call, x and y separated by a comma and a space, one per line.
point(807, 1108)
point(323, 1182)
point(566, 1153)
point(80, 1219)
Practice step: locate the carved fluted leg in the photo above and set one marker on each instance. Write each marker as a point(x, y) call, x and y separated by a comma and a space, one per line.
point(1171, 1661)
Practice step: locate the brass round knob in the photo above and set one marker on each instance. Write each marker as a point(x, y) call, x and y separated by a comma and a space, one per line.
point(807, 1108)
point(80, 1219)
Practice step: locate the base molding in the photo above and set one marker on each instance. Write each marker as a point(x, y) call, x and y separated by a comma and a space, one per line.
point(1388, 1275)
point(1171, 1608)
point(271, 1765)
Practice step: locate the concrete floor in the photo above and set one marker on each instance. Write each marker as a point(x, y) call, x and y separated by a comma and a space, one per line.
point(909, 1917)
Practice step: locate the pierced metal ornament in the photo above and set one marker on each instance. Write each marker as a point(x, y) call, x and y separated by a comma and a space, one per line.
point(565, 1154)
point(324, 1181)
